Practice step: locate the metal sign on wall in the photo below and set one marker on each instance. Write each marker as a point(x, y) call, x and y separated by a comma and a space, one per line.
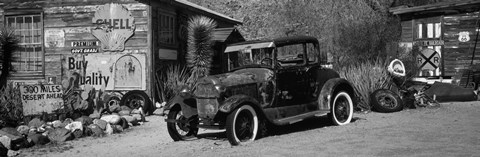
point(115, 24)
point(38, 99)
point(428, 59)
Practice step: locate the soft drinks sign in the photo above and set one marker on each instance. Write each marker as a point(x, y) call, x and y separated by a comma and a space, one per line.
point(114, 25)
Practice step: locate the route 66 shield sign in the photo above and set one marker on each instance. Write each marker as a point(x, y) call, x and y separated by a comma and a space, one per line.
point(464, 36)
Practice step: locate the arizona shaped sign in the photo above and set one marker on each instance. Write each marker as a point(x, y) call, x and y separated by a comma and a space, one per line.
point(115, 24)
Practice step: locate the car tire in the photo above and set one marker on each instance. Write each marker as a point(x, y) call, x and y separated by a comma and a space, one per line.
point(342, 109)
point(181, 131)
point(243, 119)
point(386, 101)
point(136, 99)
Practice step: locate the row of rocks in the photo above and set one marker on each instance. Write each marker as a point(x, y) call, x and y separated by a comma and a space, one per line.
point(39, 132)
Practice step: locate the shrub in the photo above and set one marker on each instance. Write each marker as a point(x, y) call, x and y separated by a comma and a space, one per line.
point(366, 77)
point(171, 79)
point(11, 110)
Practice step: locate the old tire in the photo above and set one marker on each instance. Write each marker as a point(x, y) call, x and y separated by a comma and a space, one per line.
point(342, 108)
point(181, 131)
point(385, 101)
point(136, 99)
point(242, 125)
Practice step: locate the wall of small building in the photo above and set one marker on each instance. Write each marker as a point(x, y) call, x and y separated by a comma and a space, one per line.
point(71, 51)
point(456, 54)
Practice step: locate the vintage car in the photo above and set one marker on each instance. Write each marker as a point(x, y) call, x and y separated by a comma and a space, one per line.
point(280, 82)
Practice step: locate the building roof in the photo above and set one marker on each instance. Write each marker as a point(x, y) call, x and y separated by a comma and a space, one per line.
point(206, 10)
point(277, 42)
point(440, 7)
point(223, 34)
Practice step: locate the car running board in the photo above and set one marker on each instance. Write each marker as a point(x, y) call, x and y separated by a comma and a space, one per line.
point(300, 117)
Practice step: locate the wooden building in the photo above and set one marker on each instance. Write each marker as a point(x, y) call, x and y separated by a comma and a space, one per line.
point(448, 29)
point(115, 45)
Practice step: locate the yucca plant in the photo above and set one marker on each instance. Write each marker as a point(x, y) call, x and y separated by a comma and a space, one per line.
point(366, 77)
point(8, 44)
point(200, 41)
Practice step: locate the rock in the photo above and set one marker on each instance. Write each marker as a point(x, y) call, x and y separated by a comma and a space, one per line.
point(23, 129)
point(125, 108)
point(38, 139)
point(66, 122)
point(139, 117)
point(86, 120)
point(96, 130)
point(78, 133)
point(11, 131)
point(6, 142)
point(60, 135)
point(123, 123)
point(109, 129)
point(101, 123)
point(114, 108)
point(12, 153)
point(136, 111)
point(131, 119)
point(12, 141)
point(57, 124)
point(95, 115)
point(36, 122)
point(117, 128)
point(112, 119)
point(124, 113)
point(74, 126)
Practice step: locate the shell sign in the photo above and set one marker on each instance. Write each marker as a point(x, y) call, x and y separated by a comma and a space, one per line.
point(115, 24)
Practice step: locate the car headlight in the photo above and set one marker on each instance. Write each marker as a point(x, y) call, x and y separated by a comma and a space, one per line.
point(220, 88)
point(185, 92)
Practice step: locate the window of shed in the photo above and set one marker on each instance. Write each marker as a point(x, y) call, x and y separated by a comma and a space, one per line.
point(166, 29)
point(29, 59)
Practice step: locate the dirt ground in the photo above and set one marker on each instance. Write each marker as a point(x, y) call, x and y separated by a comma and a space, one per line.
point(453, 129)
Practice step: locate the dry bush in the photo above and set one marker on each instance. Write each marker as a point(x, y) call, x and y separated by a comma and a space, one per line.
point(366, 77)
point(171, 79)
point(11, 109)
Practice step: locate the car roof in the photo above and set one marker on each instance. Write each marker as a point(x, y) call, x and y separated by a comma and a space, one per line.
point(278, 42)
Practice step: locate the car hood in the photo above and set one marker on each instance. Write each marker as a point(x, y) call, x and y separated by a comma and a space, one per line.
point(239, 77)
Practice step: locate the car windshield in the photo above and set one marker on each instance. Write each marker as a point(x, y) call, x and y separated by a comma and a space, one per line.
point(261, 55)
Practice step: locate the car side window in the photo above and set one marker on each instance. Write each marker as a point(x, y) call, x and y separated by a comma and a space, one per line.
point(291, 55)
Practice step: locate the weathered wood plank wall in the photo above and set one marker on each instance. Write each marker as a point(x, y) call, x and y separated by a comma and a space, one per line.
point(74, 19)
point(458, 55)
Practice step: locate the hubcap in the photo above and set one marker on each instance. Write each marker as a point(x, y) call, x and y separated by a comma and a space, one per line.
point(342, 109)
point(386, 101)
point(182, 128)
point(244, 126)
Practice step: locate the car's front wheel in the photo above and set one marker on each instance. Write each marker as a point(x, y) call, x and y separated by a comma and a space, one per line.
point(342, 109)
point(183, 128)
point(242, 125)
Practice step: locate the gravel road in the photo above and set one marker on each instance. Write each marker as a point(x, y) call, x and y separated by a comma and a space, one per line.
point(453, 129)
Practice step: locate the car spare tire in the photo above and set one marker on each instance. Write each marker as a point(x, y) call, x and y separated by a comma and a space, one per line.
point(385, 101)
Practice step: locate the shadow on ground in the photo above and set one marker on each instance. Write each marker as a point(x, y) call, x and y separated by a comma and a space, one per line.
point(308, 124)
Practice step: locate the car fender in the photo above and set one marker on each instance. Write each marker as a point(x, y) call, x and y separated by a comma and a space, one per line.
point(231, 103)
point(330, 88)
point(187, 105)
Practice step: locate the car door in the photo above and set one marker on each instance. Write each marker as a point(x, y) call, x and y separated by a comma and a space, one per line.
point(292, 81)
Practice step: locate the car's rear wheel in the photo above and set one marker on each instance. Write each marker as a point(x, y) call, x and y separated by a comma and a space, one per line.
point(342, 109)
point(242, 125)
point(184, 128)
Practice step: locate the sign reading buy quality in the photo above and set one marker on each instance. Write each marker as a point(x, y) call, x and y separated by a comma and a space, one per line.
point(115, 24)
